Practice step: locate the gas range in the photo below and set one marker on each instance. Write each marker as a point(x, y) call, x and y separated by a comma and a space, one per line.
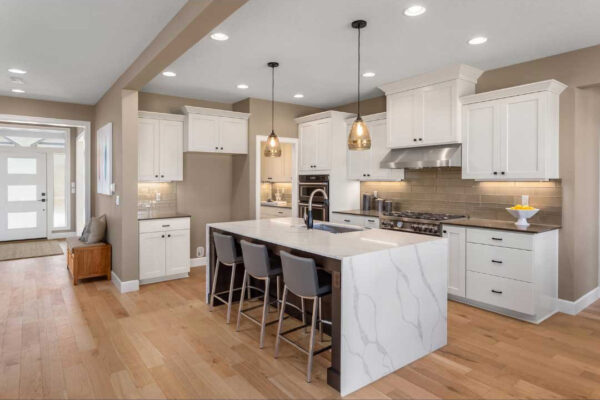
point(416, 222)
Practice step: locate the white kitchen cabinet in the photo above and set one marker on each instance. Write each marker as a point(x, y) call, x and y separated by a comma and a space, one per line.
point(364, 165)
point(352, 219)
point(160, 147)
point(268, 212)
point(425, 110)
point(164, 249)
point(215, 131)
point(276, 169)
point(315, 146)
point(456, 260)
point(512, 273)
point(512, 134)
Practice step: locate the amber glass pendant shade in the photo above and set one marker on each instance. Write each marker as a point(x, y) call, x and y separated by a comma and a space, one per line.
point(359, 138)
point(273, 147)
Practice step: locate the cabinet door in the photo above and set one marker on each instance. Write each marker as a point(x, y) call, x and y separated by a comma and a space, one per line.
point(288, 161)
point(522, 139)
point(152, 255)
point(233, 135)
point(308, 151)
point(323, 145)
point(203, 133)
point(439, 114)
point(378, 151)
point(456, 260)
point(481, 141)
point(177, 252)
point(404, 119)
point(271, 168)
point(171, 150)
point(148, 138)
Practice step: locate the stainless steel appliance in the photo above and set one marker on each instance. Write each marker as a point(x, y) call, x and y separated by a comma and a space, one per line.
point(308, 184)
point(415, 222)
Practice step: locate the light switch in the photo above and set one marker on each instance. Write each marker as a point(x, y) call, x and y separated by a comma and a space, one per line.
point(117, 199)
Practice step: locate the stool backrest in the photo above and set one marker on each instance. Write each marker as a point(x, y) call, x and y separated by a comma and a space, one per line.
point(225, 246)
point(256, 259)
point(300, 274)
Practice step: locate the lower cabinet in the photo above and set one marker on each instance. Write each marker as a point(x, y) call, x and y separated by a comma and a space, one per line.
point(267, 212)
point(358, 220)
point(164, 249)
point(512, 273)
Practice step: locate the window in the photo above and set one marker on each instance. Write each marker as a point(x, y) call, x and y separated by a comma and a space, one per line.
point(21, 220)
point(60, 192)
point(21, 165)
point(22, 192)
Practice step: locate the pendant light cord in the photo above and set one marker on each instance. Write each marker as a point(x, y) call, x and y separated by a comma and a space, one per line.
point(358, 80)
point(273, 100)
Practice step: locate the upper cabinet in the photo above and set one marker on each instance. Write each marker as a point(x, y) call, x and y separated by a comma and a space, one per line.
point(425, 110)
point(215, 131)
point(160, 147)
point(512, 133)
point(364, 165)
point(277, 169)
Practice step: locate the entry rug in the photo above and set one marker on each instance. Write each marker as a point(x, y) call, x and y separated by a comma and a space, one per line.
point(29, 249)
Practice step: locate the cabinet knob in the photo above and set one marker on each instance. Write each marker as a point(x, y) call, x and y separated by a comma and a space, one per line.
point(414, 139)
point(156, 176)
point(221, 148)
point(444, 231)
point(162, 236)
point(502, 172)
point(495, 173)
point(168, 235)
point(420, 139)
point(162, 176)
point(217, 148)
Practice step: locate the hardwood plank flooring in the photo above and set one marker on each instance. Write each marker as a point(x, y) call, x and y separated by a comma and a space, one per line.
point(89, 341)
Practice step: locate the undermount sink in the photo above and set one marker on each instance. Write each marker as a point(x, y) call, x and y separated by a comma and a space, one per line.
point(336, 228)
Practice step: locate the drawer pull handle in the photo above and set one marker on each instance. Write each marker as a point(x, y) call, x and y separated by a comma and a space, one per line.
point(497, 291)
point(346, 220)
point(495, 238)
point(166, 226)
point(371, 220)
point(497, 261)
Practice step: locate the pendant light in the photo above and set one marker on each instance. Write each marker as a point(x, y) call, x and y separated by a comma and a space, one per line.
point(359, 138)
point(273, 147)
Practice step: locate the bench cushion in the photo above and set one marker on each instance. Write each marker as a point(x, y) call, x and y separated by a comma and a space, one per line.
point(74, 243)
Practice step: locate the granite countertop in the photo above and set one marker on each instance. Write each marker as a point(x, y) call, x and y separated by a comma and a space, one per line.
point(291, 232)
point(274, 204)
point(501, 225)
point(146, 215)
point(364, 213)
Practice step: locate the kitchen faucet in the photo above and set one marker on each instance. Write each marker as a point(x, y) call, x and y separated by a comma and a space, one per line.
point(308, 217)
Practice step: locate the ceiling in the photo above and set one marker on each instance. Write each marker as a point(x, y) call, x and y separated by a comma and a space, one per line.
point(316, 47)
point(74, 50)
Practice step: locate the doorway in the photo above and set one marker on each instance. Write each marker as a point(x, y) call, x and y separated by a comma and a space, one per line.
point(23, 195)
point(80, 191)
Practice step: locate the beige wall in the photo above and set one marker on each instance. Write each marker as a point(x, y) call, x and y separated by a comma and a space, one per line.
point(368, 106)
point(172, 104)
point(244, 190)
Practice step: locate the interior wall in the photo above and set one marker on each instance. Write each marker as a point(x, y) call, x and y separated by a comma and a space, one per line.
point(172, 104)
point(369, 106)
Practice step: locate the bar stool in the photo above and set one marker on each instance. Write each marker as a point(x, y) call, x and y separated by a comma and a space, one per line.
point(226, 255)
point(259, 266)
point(302, 278)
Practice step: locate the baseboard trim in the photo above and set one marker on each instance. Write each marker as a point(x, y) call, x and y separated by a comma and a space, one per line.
point(124, 287)
point(197, 262)
point(575, 307)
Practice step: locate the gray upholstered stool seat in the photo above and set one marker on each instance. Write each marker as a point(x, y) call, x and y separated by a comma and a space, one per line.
point(302, 278)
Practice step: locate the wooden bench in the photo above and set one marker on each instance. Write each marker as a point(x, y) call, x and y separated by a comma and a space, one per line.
point(88, 260)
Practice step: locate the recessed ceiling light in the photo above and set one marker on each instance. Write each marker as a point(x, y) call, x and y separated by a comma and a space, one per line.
point(17, 71)
point(242, 86)
point(170, 74)
point(369, 74)
point(17, 91)
point(414, 11)
point(220, 36)
point(478, 40)
point(298, 96)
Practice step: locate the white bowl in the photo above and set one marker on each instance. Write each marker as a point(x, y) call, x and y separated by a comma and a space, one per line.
point(522, 215)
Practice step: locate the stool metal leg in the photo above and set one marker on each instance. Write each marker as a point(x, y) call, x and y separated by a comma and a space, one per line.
point(230, 299)
point(214, 286)
point(280, 324)
point(312, 340)
point(278, 280)
point(320, 320)
point(244, 289)
point(265, 313)
point(303, 312)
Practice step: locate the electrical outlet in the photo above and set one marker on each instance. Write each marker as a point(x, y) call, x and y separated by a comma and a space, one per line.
point(117, 200)
point(200, 251)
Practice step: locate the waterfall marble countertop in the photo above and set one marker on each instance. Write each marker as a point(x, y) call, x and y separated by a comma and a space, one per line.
point(291, 232)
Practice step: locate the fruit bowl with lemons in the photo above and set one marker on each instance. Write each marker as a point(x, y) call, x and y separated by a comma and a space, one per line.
point(522, 213)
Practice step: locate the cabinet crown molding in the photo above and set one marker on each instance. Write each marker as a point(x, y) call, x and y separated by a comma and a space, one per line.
point(164, 116)
point(323, 115)
point(550, 85)
point(369, 118)
point(458, 71)
point(214, 111)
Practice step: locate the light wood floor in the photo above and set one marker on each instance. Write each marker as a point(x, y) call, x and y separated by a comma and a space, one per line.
point(60, 341)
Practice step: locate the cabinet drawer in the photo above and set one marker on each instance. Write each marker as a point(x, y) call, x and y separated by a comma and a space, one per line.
point(358, 220)
point(495, 237)
point(167, 224)
point(371, 222)
point(501, 292)
point(275, 212)
point(500, 261)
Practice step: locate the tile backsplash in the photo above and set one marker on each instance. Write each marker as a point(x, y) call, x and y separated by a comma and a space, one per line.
point(443, 190)
point(269, 191)
point(161, 197)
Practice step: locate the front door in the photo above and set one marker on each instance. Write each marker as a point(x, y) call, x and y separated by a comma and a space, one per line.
point(22, 195)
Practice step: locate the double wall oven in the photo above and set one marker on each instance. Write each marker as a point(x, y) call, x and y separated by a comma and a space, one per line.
point(306, 185)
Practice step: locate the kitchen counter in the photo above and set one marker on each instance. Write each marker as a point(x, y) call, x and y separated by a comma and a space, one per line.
point(388, 303)
point(364, 213)
point(143, 215)
point(501, 225)
point(274, 204)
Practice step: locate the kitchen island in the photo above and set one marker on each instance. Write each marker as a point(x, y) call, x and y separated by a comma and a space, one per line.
point(388, 305)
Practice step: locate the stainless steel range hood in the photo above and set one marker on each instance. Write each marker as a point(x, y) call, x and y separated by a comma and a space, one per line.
point(423, 157)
